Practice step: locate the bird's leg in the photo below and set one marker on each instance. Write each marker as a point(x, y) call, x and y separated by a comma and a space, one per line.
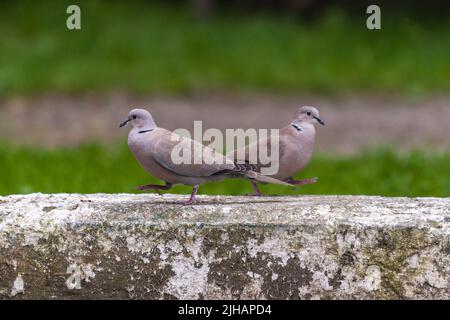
point(302, 181)
point(256, 192)
point(155, 187)
point(193, 194)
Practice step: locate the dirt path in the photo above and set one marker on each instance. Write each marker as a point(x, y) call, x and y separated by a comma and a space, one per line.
point(351, 122)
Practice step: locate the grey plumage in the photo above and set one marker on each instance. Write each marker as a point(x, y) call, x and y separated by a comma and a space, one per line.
point(152, 146)
point(296, 145)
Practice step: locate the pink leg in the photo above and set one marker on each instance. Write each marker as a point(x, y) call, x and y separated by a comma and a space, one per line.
point(155, 187)
point(256, 192)
point(301, 182)
point(192, 198)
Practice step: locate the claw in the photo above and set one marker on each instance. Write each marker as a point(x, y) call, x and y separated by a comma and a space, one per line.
point(155, 187)
point(192, 199)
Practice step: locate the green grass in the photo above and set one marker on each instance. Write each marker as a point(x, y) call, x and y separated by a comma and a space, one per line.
point(148, 48)
point(94, 168)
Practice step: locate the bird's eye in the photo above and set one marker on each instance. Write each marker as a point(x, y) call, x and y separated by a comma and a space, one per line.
point(134, 117)
point(308, 113)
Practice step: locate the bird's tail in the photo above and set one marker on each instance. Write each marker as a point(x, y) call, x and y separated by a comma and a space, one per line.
point(265, 179)
point(249, 171)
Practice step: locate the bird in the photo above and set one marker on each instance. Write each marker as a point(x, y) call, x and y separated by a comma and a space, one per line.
point(296, 144)
point(153, 148)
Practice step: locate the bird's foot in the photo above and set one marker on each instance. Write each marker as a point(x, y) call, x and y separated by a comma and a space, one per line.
point(155, 187)
point(187, 202)
point(149, 187)
point(256, 192)
point(302, 182)
point(192, 199)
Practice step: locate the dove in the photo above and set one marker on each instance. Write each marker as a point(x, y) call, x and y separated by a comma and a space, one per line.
point(153, 148)
point(296, 144)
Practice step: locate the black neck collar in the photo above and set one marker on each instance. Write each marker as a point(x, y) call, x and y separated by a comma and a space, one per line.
point(297, 127)
point(144, 131)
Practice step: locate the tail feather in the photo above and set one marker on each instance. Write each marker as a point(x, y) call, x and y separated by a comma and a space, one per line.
point(247, 170)
point(266, 179)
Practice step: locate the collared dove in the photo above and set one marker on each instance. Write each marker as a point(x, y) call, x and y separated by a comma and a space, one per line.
point(296, 144)
point(152, 146)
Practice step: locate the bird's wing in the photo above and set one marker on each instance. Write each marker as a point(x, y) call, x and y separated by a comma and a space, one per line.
point(186, 157)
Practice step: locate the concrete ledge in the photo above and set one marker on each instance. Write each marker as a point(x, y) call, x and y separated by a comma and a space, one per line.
point(146, 247)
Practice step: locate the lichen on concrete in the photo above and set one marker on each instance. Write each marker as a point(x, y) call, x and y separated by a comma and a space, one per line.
point(147, 247)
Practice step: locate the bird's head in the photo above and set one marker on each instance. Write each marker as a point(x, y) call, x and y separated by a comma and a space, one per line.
point(139, 118)
point(307, 114)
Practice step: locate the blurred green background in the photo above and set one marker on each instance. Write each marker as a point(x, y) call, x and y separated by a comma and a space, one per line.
point(160, 46)
point(185, 49)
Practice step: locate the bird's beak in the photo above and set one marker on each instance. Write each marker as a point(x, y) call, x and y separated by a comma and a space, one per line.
point(124, 123)
point(319, 121)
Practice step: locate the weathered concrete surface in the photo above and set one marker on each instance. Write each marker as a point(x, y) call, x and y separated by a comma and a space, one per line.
point(144, 246)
